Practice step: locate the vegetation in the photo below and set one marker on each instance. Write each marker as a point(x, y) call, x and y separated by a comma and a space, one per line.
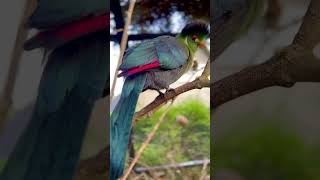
point(266, 152)
point(164, 9)
point(2, 163)
point(184, 136)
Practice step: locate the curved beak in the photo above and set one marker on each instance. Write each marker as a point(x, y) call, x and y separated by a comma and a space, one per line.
point(202, 44)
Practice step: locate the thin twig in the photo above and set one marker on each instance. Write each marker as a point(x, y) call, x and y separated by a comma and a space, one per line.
point(173, 165)
point(138, 177)
point(146, 142)
point(123, 45)
point(206, 72)
point(6, 97)
point(204, 170)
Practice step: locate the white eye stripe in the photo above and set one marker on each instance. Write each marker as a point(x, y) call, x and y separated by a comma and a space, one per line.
point(186, 40)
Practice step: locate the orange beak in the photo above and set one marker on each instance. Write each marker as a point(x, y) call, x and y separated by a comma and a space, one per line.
point(202, 44)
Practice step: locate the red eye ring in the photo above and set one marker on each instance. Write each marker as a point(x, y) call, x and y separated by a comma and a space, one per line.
point(194, 37)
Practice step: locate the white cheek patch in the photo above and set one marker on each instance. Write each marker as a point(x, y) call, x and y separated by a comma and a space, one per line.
point(186, 41)
point(316, 51)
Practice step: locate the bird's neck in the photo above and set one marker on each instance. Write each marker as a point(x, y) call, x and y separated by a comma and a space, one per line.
point(184, 42)
point(189, 50)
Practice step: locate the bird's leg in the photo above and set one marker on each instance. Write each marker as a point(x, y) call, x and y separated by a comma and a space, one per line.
point(171, 90)
point(161, 94)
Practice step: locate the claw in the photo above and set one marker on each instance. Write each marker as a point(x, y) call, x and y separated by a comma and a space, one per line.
point(173, 91)
point(170, 89)
point(161, 94)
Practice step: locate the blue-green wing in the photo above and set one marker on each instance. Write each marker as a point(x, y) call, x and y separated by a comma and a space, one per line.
point(138, 55)
point(165, 49)
point(51, 13)
point(171, 53)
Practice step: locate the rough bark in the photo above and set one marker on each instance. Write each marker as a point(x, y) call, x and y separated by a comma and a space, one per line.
point(295, 63)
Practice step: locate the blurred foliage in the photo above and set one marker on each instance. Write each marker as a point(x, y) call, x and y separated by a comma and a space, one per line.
point(269, 151)
point(151, 10)
point(2, 164)
point(158, 13)
point(176, 141)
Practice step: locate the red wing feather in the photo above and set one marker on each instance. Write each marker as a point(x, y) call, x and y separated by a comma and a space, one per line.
point(67, 32)
point(154, 64)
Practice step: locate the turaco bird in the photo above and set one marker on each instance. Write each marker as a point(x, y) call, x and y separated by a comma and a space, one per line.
point(75, 33)
point(232, 19)
point(153, 64)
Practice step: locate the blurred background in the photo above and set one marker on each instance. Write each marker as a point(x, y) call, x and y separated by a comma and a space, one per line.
point(184, 136)
point(26, 88)
point(272, 133)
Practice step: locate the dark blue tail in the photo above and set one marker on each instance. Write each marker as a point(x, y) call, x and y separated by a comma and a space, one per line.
point(73, 79)
point(121, 120)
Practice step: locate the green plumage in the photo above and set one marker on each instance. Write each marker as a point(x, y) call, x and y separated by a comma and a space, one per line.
point(121, 120)
point(171, 54)
point(51, 13)
point(152, 64)
point(73, 79)
point(166, 49)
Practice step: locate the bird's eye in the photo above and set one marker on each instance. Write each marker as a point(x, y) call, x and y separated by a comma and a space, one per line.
point(194, 37)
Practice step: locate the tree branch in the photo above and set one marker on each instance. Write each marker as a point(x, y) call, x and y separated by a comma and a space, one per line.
point(16, 54)
point(199, 83)
point(296, 63)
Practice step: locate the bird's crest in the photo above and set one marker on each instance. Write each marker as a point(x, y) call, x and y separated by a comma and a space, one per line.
point(197, 26)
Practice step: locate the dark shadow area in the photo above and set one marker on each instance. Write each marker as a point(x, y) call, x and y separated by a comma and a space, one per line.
point(54, 85)
point(264, 92)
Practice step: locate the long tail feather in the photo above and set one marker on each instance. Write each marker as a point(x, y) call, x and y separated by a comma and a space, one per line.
point(73, 79)
point(121, 120)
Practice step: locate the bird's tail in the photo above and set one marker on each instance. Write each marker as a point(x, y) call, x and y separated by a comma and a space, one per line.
point(121, 120)
point(73, 79)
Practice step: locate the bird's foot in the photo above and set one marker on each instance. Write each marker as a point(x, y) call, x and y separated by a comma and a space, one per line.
point(170, 90)
point(161, 94)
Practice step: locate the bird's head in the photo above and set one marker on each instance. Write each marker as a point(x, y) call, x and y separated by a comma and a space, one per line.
point(195, 34)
